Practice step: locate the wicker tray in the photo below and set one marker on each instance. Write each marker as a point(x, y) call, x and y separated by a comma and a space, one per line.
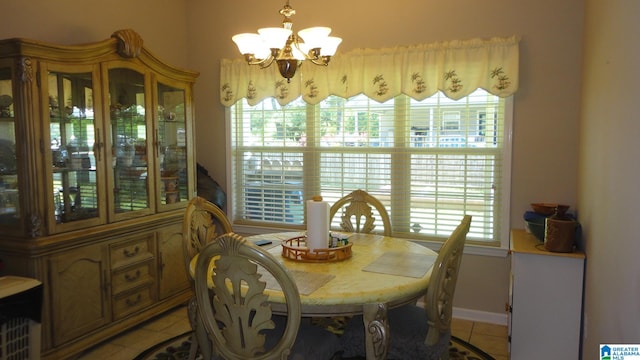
point(296, 249)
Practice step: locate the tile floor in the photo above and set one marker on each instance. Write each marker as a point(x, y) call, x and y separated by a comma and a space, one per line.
point(489, 337)
point(128, 345)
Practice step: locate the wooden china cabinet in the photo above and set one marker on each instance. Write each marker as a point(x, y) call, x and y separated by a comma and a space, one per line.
point(96, 166)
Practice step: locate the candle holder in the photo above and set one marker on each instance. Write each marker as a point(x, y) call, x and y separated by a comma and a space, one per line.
point(296, 249)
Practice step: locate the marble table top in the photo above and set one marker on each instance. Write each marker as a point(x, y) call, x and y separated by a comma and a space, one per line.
point(382, 269)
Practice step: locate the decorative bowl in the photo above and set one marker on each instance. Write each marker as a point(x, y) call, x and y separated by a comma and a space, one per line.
point(548, 209)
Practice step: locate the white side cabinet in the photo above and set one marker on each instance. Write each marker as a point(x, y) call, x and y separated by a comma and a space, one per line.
point(546, 300)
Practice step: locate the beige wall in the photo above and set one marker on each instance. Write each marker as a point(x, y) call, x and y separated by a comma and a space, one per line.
point(196, 34)
point(161, 23)
point(609, 198)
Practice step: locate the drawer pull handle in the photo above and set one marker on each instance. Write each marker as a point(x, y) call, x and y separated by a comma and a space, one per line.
point(133, 253)
point(134, 302)
point(130, 278)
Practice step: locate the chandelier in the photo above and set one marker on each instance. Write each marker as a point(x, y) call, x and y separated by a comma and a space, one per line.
point(287, 49)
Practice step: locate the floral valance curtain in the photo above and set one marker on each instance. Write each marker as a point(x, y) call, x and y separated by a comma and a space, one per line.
point(457, 68)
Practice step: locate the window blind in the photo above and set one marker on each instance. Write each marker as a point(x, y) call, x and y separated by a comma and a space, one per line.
point(428, 161)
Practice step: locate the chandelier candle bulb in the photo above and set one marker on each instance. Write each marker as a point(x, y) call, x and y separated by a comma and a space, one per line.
point(317, 223)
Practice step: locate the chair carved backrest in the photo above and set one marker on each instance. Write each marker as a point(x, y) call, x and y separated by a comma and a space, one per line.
point(439, 297)
point(359, 205)
point(202, 223)
point(235, 310)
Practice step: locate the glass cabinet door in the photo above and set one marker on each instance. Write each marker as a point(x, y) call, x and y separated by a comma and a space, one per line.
point(72, 132)
point(172, 142)
point(9, 194)
point(129, 141)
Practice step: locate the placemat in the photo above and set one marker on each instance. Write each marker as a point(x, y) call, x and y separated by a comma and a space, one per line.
point(307, 282)
point(402, 264)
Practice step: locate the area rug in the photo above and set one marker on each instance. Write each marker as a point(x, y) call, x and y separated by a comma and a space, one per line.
point(177, 348)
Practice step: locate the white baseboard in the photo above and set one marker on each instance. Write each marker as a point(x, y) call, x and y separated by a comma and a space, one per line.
point(480, 316)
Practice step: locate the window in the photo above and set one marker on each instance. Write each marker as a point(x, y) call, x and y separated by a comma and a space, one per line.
point(428, 161)
point(451, 122)
point(409, 124)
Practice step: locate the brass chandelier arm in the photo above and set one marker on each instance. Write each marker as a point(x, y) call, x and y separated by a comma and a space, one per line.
point(322, 60)
point(264, 63)
point(313, 55)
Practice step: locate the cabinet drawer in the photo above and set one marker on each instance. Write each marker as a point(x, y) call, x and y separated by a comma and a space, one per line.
point(130, 302)
point(133, 276)
point(131, 251)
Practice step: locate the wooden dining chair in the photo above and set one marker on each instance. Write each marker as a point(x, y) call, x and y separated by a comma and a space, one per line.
point(418, 332)
point(202, 223)
point(358, 206)
point(236, 311)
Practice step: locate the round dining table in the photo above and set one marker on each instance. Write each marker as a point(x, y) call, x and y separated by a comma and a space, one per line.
point(382, 272)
